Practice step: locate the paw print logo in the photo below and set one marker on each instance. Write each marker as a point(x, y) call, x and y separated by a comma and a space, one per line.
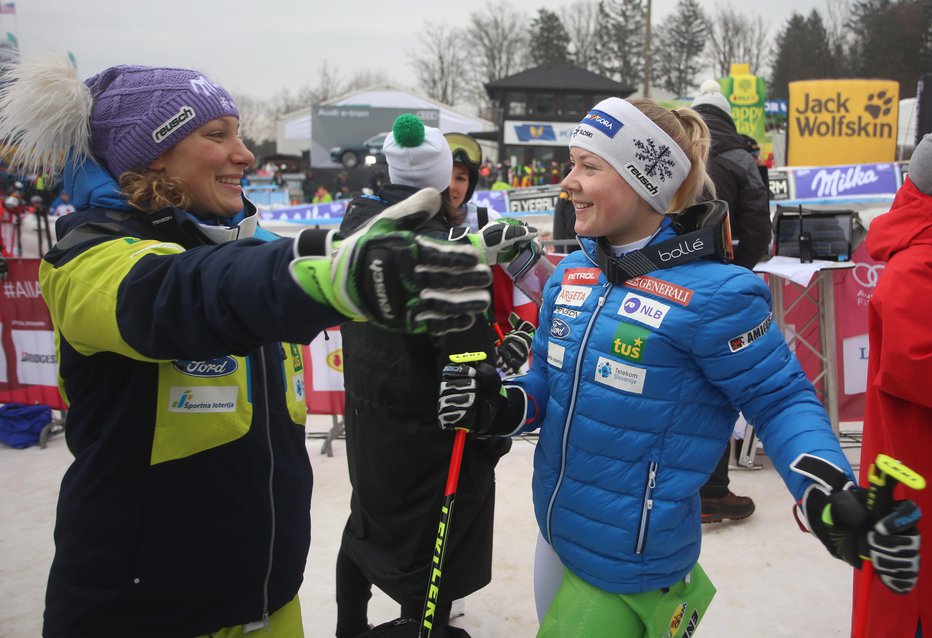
point(605, 370)
point(878, 104)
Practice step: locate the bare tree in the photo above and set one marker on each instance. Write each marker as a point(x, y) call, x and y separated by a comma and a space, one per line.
point(497, 46)
point(364, 78)
point(441, 62)
point(737, 38)
point(581, 22)
point(256, 125)
point(328, 82)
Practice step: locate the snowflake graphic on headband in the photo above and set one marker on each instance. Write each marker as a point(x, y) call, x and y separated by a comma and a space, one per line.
point(657, 161)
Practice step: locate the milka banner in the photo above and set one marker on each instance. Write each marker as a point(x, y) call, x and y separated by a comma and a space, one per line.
point(842, 121)
point(846, 181)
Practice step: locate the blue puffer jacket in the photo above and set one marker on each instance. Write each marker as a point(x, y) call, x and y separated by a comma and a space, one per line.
point(636, 389)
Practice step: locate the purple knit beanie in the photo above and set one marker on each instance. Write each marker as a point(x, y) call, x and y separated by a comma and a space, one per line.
point(141, 112)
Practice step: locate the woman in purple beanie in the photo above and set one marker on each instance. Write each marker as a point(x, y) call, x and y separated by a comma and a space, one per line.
point(177, 317)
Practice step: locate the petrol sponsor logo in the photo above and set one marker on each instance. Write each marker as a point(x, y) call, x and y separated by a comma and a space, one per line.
point(661, 288)
point(566, 312)
point(201, 399)
point(643, 309)
point(581, 276)
point(629, 342)
point(559, 328)
point(620, 375)
point(219, 367)
point(742, 341)
point(172, 124)
point(602, 121)
point(573, 295)
point(555, 354)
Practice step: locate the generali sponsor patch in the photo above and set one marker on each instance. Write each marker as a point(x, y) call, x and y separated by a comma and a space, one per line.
point(742, 341)
point(661, 288)
point(581, 276)
point(573, 295)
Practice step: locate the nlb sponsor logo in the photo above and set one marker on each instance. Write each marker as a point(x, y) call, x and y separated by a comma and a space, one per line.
point(201, 399)
point(573, 295)
point(171, 125)
point(218, 367)
point(682, 249)
point(648, 185)
point(661, 288)
point(742, 341)
point(643, 309)
point(582, 276)
point(620, 376)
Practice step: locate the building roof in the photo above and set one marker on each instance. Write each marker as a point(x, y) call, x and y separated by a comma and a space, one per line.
point(560, 76)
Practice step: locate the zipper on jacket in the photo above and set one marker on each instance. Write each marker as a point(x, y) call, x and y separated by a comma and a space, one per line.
point(268, 438)
point(646, 506)
point(571, 407)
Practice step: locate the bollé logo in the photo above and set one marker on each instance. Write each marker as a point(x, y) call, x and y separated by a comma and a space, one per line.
point(836, 116)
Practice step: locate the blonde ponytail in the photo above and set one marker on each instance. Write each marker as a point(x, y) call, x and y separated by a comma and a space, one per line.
point(687, 128)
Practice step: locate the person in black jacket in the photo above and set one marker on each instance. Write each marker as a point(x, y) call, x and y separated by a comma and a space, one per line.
point(178, 319)
point(737, 180)
point(397, 458)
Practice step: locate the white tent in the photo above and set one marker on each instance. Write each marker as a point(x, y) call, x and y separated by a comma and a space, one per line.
point(294, 132)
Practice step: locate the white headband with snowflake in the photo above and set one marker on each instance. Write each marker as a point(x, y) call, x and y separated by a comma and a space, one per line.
point(646, 157)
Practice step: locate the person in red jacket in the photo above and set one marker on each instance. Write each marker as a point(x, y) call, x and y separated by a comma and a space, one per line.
point(898, 419)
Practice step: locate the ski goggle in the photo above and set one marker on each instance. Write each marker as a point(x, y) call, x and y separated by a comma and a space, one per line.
point(464, 148)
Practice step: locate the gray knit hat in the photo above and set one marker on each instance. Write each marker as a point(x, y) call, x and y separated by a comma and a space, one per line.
point(141, 112)
point(920, 165)
point(711, 93)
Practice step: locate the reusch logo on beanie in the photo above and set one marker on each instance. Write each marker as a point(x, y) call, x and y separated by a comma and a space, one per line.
point(166, 129)
point(141, 112)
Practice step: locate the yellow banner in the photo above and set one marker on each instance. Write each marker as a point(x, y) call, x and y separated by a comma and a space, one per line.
point(842, 122)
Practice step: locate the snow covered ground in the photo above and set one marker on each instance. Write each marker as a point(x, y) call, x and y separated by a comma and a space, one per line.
point(772, 579)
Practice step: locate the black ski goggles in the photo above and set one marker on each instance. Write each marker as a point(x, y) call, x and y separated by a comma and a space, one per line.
point(465, 149)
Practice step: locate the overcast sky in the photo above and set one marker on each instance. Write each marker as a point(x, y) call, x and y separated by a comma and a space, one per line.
point(258, 47)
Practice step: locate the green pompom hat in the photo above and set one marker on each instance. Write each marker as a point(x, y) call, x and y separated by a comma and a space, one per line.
point(417, 155)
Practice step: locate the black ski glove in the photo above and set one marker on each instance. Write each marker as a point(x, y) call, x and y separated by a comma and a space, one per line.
point(472, 398)
point(4, 269)
point(835, 511)
point(393, 278)
point(515, 348)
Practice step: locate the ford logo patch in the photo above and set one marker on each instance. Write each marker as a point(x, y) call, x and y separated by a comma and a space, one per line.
point(559, 328)
point(219, 367)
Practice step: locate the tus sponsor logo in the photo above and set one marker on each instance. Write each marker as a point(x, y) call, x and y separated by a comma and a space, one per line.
point(629, 342)
point(218, 367)
point(602, 121)
point(742, 341)
point(171, 125)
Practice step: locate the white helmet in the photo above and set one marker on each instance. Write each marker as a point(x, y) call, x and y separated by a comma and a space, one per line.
point(11, 203)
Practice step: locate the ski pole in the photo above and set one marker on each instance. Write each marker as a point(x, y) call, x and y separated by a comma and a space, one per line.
point(446, 515)
point(884, 474)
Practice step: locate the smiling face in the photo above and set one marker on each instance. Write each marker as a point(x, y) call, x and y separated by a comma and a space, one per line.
point(606, 206)
point(211, 160)
point(459, 184)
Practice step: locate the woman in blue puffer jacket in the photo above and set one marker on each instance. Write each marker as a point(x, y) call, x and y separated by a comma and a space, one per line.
point(649, 345)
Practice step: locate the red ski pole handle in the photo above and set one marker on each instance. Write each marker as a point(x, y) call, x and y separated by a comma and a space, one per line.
point(446, 515)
